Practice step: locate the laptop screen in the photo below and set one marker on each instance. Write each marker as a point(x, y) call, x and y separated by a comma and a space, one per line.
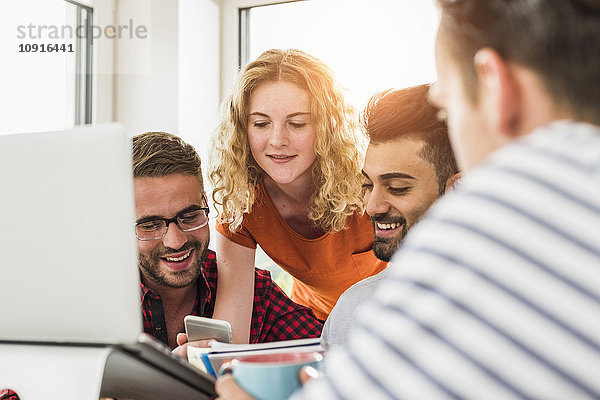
point(68, 262)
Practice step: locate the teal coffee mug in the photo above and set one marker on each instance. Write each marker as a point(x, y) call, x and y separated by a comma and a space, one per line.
point(270, 376)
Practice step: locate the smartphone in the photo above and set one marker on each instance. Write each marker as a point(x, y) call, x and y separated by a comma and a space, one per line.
point(200, 328)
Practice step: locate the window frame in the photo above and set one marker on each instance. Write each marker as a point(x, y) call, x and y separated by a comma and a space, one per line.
point(244, 29)
point(84, 73)
point(233, 24)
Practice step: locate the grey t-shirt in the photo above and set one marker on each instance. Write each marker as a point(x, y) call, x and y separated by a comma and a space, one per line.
point(337, 326)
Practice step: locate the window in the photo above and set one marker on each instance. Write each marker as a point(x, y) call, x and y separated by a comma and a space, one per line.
point(48, 51)
point(371, 45)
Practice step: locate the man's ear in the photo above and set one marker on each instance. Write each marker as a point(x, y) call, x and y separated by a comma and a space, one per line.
point(452, 181)
point(498, 91)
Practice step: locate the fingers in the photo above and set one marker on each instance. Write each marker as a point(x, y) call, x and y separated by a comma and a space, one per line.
point(181, 351)
point(181, 339)
point(228, 389)
point(202, 343)
point(308, 373)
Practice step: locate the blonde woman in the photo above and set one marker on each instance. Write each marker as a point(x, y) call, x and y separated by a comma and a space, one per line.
point(286, 171)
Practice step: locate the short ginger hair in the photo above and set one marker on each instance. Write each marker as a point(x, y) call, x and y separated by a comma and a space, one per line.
point(395, 113)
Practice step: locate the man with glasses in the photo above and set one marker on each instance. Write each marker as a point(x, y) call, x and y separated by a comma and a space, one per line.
point(178, 271)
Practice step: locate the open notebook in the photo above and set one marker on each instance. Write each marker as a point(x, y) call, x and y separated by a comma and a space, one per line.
point(68, 250)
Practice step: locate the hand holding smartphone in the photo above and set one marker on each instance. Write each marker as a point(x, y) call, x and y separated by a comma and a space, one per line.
point(200, 328)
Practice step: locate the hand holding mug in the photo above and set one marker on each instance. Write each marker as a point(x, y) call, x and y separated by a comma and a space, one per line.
point(266, 376)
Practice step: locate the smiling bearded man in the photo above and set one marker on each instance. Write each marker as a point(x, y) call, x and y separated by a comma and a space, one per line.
point(409, 164)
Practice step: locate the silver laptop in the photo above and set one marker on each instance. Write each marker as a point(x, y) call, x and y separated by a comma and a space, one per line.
point(68, 256)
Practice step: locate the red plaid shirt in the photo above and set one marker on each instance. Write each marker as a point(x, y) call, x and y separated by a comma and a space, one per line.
point(274, 316)
point(7, 394)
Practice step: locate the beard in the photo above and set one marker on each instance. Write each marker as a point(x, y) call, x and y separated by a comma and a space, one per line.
point(150, 265)
point(385, 247)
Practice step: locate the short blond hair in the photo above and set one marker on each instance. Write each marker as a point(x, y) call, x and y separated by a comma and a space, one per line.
point(336, 172)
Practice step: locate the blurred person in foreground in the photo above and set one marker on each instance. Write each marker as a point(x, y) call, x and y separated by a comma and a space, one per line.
point(495, 294)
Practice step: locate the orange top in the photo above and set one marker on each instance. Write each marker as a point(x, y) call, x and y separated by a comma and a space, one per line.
point(323, 268)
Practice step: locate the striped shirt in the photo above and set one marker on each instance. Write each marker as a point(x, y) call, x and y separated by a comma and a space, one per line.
point(496, 293)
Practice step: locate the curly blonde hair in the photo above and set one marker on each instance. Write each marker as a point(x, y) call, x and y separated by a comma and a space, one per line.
point(336, 171)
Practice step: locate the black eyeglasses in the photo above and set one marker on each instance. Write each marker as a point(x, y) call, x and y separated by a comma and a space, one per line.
point(188, 220)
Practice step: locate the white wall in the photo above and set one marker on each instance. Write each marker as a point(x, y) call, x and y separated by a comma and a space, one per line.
point(198, 74)
point(169, 81)
point(103, 59)
point(146, 80)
